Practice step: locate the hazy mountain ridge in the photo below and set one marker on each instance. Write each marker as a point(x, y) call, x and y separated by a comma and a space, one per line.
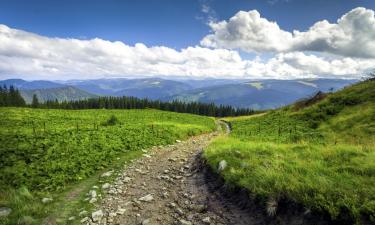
point(61, 94)
point(256, 94)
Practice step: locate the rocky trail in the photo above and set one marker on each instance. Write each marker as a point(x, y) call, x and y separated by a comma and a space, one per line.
point(166, 186)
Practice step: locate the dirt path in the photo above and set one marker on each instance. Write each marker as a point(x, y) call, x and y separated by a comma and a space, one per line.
point(166, 187)
point(171, 185)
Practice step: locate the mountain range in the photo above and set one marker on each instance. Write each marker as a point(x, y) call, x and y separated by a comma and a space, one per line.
point(256, 94)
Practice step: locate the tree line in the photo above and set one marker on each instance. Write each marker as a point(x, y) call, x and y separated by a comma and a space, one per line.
point(206, 109)
point(12, 97)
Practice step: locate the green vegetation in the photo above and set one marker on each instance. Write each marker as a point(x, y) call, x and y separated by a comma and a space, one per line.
point(321, 155)
point(10, 97)
point(137, 103)
point(43, 152)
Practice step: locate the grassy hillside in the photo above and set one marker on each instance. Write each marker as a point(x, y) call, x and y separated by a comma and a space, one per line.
point(61, 94)
point(43, 152)
point(321, 155)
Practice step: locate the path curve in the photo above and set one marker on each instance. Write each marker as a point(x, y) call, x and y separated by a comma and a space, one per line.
point(168, 186)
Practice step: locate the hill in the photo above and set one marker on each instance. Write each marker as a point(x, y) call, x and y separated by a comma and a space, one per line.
point(317, 153)
point(255, 94)
point(152, 88)
point(262, 94)
point(66, 93)
point(28, 85)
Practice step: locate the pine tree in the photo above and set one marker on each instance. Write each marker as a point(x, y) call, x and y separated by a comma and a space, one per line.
point(35, 102)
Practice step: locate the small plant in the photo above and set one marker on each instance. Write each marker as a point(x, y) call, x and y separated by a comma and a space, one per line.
point(271, 207)
point(111, 121)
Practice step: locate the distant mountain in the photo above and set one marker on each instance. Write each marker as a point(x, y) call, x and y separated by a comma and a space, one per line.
point(36, 84)
point(152, 88)
point(264, 94)
point(62, 93)
point(256, 94)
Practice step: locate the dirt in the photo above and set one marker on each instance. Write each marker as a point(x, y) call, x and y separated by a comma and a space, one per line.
point(172, 185)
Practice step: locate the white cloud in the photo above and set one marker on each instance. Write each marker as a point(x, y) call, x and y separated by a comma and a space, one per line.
point(31, 56)
point(353, 35)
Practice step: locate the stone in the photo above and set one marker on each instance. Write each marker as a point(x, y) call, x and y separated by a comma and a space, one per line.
point(71, 218)
point(106, 186)
point(93, 194)
point(178, 141)
point(127, 179)
point(147, 155)
point(83, 213)
point(4, 211)
point(147, 198)
point(146, 221)
point(121, 211)
point(184, 222)
point(93, 200)
point(206, 220)
point(97, 215)
point(107, 174)
point(222, 165)
point(47, 200)
point(95, 187)
point(86, 219)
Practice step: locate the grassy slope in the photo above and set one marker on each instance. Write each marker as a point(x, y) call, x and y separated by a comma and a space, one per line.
point(43, 152)
point(322, 156)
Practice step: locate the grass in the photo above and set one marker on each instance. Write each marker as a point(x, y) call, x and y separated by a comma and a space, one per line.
point(321, 156)
point(47, 152)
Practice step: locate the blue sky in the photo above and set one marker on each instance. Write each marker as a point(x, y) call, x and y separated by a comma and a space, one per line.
point(168, 22)
point(280, 39)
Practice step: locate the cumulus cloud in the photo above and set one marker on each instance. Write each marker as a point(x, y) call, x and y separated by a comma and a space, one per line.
point(31, 56)
point(353, 35)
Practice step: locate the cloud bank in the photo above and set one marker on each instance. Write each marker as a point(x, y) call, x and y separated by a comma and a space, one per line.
point(349, 45)
point(352, 36)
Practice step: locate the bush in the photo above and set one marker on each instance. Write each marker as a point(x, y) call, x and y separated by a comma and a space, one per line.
point(111, 121)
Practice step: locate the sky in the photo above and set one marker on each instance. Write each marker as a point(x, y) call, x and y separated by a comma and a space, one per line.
point(252, 39)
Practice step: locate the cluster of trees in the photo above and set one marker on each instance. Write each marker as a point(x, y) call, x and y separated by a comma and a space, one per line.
point(137, 103)
point(10, 96)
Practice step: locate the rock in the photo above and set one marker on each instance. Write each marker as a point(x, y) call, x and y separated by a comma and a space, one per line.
point(178, 141)
point(146, 155)
point(172, 205)
point(127, 179)
point(4, 211)
point(206, 220)
point(179, 212)
point(47, 200)
point(97, 215)
point(107, 174)
point(93, 200)
point(95, 187)
point(146, 221)
point(71, 218)
point(83, 213)
point(147, 198)
point(121, 211)
point(222, 165)
point(184, 222)
point(199, 208)
point(106, 186)
point(93, 194)
point(86, 219)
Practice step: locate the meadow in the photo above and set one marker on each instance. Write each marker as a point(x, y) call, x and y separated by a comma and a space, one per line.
point(44, 151)
point(319, 155)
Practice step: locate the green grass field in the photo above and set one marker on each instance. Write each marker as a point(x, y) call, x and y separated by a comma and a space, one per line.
point(43, 152)
point(321, 155)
